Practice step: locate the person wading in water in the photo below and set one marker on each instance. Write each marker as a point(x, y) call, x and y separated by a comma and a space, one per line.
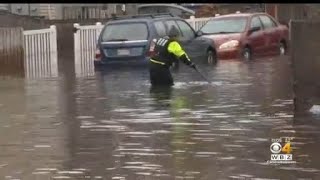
point(167, 51)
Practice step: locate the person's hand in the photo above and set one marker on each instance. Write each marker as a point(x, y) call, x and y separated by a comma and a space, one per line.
point(193, 66)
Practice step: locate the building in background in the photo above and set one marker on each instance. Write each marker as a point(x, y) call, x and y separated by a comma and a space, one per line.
point(69, 11)
point(91, 11)
point(286, 12)
point(282, 12)
point(48, 11)
point(193, 6)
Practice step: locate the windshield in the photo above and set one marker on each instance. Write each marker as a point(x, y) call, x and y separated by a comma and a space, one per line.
point(236, 25)
point(125, 32)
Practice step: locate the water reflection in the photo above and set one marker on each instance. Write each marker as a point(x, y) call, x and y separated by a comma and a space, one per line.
point(41, 65)
point(161, 94)
point(113, 125)
point(32, 133)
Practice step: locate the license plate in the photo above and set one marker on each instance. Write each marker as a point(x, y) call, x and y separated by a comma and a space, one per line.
point(123, 52)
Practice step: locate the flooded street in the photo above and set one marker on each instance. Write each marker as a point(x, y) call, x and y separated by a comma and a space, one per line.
point(112, 126)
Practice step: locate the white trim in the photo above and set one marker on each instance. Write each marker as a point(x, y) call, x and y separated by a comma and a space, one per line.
point(38, 31)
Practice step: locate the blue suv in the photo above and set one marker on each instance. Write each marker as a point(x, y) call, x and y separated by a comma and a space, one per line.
point(131, 40)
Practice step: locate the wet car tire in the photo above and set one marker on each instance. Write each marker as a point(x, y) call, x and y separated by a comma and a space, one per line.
point(211, 57)
point(246, 54)
point(282, 49)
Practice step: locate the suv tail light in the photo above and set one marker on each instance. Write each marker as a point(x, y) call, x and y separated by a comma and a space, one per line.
point(151, 49)
point(98, 54)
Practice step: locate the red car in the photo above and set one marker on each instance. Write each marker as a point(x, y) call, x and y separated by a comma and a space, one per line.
point(246, 35)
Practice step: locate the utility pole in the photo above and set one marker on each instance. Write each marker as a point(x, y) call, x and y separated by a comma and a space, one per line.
point(115, 8)
point(29, 9)
point(123, 8)
point(10, 8)
point(49, 11)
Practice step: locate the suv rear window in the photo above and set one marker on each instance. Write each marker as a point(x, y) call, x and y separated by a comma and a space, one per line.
point(160, 28)
point(125, 32)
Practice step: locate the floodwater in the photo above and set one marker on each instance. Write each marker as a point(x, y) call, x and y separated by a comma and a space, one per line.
point(110, 125)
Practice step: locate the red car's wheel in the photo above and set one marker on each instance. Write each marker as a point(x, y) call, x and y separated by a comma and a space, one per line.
point(282, 49)
point(247, 54)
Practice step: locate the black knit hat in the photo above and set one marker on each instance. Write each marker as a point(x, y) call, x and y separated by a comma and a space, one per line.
point(173, 32)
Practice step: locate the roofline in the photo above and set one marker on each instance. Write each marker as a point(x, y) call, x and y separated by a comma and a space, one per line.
point(246, 14)
point(142, 19)
point(168, 5)
point(129, 20)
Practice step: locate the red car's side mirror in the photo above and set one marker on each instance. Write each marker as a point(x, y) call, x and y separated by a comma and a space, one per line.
point(199, 33)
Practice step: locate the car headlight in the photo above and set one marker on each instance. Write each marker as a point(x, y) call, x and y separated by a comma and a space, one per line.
point(229, 44)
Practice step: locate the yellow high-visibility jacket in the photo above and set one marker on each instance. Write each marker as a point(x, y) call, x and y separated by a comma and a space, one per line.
point(167, 51)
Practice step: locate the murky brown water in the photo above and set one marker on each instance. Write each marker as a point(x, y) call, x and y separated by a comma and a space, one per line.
point(110, 126)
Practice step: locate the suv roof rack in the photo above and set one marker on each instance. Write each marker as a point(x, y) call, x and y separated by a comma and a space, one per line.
point(145, 16)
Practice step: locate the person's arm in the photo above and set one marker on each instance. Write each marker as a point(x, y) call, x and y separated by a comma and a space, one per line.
point(175, 48)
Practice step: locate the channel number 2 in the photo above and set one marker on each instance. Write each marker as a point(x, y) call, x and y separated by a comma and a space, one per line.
point(277, 148)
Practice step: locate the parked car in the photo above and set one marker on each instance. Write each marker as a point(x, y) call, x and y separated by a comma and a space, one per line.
point(246, 35)
point(132, 40)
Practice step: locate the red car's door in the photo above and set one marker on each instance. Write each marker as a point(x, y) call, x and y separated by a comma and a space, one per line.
point(272, 35)
point(257, 39)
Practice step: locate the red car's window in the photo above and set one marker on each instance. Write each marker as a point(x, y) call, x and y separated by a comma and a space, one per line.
point(187, 32)
point(255, 22)
point(225, 25)
point(171, 23)
point(267, 22)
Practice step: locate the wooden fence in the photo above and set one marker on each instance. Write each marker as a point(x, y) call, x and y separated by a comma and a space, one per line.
point(30, 54)
point(11, 51)
point(40, 47)
point(85, 43)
